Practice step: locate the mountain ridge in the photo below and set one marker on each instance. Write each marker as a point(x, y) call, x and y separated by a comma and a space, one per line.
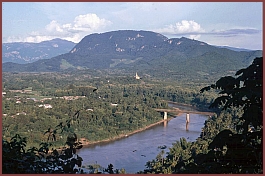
point(28, 52)
point(143, 51)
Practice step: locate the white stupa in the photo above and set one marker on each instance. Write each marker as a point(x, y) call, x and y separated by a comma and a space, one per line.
point(136, 76)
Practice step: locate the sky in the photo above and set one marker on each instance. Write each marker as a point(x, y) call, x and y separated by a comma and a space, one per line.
point(235, 24)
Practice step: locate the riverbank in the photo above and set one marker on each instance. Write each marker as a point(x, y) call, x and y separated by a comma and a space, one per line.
point(88, 144)
point(132, 153)
point(201, 109)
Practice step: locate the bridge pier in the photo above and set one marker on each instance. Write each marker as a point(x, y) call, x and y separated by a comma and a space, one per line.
point(187, 121)
point(165, 115)
point(187, 118)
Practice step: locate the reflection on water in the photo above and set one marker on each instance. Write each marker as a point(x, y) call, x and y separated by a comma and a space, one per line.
point(133, 152)
point(165, 124)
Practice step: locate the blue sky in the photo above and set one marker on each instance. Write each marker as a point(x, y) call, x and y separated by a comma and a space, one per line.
point(237, 24)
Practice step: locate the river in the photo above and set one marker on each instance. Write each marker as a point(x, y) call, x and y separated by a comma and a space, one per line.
point(133, 152)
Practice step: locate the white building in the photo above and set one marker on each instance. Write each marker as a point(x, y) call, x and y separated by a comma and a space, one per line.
point(46, 106)
point(136, 76)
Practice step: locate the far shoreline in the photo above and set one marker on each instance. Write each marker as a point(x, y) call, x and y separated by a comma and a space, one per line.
point(88, 144)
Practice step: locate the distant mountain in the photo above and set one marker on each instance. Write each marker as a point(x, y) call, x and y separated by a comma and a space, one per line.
point(234, 49)
point(25, 52)
point(145, 52)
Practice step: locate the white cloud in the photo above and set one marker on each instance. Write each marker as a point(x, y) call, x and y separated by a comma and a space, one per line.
point(89, 22)
point(11, 39)
point(54, 26)
point(182, 27)
point(81, 26)
point(32, 39)
point(185, 27)
point(37, 39)
point(75, 38)
point(69, 25)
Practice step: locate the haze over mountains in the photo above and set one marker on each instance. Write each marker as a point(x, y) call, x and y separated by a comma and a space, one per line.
point(25, 52)
point(142, 51)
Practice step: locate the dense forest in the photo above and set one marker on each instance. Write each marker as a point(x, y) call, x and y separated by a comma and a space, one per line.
point(108, 107)
point(44, 111)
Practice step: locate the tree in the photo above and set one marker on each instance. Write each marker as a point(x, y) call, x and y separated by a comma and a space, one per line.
point(239, 152)
point(244, 91)
point(17, 160)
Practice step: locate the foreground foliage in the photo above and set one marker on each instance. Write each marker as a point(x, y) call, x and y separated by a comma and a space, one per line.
point(230, 142)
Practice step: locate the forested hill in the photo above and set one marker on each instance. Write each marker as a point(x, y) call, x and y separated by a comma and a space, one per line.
point(144, 52)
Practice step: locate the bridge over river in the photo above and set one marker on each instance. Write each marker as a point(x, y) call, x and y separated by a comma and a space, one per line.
point(177, 111)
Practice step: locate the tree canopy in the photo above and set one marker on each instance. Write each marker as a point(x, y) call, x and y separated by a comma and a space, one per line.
point(231, 141)
point(243, 91)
